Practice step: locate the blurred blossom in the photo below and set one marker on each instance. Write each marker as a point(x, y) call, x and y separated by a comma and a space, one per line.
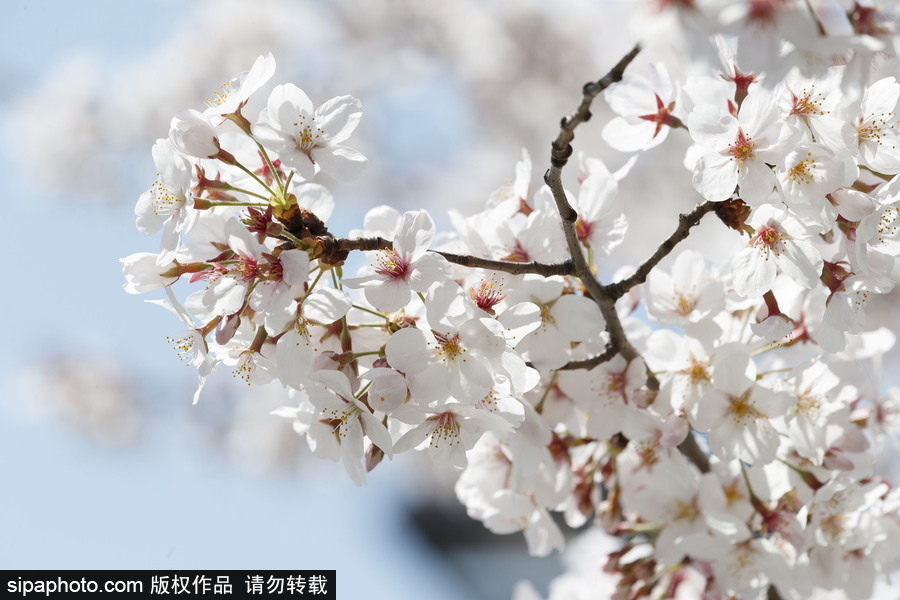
point(492, 50)
point(255, 440)
point(100, 399)
point(91, 394)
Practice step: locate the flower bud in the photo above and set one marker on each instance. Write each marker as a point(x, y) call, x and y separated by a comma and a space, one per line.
point(192, 134)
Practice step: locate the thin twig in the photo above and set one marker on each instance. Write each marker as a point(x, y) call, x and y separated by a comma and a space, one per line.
point(465, 260)
point(693, 453)
point(562, 148)
point(589, 363)
point(605, 296)
point(685, 223)
point(560, 151)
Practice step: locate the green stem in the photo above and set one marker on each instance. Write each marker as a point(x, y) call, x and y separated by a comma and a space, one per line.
point(364, 389)
point(371, 312)
point(540, 405)
point(311, 287)
point(234, 188)
point(265, 155)
point(213, 203)
point(297, 241)
point(256, 177)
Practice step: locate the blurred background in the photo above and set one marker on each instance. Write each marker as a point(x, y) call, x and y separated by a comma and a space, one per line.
point(105, 462)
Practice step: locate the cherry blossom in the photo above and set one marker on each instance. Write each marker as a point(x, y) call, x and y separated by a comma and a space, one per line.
point(349, 419)
point(194, 135)
point(876, 127)
point(738, 413)
point(405, 269)
point(308, 139)
point(647, 109)
point(781, 242)
point(687, 296)
point(234, 93)
point(737, 150)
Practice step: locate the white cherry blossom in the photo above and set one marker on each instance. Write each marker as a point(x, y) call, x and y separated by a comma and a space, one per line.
point(736, 151)
point(308, 139)
point(779, 242)
point(407, 268)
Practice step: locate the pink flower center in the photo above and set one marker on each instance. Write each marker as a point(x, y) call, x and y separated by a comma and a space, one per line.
point(802, 172)
point(446, 429)
point(768, 238)
point(808, 103)
point(247, 269)
point(272, 270)
point(868, 20)
point(583, 230)
point(448, 346)
point(742, 409)
point(871, 127)
point(612, 385)
point(487, 295)
point(662, 116)
point(697, 372)
point(763, 11)
point(518, 254)
point(392, 265)
point(742, 148)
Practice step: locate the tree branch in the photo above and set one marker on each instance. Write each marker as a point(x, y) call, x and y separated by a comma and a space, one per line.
point(693, 453)
point(589, 363)
point(562, 148)
point(464, 260)
point(606, 296)
point(685, 223)
point(560, 151)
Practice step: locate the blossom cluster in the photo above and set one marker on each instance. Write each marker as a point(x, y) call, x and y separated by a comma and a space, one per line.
point(717, 417)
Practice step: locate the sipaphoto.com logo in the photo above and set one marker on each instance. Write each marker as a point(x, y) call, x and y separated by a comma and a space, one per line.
point(24, 586)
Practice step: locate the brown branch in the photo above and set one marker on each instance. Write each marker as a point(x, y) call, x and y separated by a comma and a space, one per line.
point(693, 453)
point(464, 260)
point(562, 148)
point(685, 223)
point(560, 151)
point(516, 268)
point(605, 296)
point(589, 363)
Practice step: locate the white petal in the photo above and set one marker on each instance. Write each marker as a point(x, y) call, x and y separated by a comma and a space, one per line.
point(338, 117)
point(754, 272)
point(377, 432)
point(578, 318)
point(295, 266)
point(294, 356)
point(715, 177)
point(388, 294)
point(342, 163)
point(413, 235)
point(326, 305)
point(407, 350)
